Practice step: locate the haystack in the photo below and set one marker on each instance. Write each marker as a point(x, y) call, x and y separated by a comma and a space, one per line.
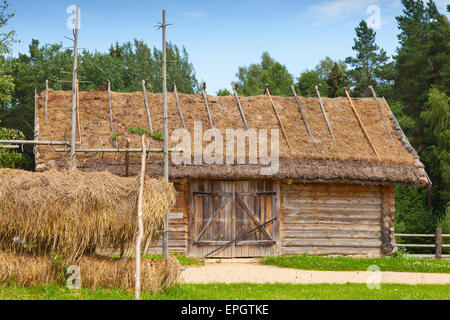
point(96, 272)
point(73, 213)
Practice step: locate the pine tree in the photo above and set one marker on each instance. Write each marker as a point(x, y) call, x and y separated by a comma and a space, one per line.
point(335, 82)
point(369, 61)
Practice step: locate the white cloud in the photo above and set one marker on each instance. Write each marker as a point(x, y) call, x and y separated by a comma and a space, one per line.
point(194, 14)
point(329, 11)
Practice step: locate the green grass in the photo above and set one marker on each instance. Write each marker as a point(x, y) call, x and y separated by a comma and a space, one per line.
point(182, 259)
point(156, 134)
point(240, 292)
point(305, 262)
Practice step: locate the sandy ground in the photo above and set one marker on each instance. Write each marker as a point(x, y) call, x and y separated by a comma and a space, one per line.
point(249, 271)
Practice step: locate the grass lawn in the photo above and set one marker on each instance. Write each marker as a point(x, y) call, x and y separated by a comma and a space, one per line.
point(182, 259)
point(240, 292)
point(305, 262)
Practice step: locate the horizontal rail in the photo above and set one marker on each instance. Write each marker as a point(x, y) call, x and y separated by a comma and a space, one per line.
point(415, 235)
point(118, 150)
point(36, 142)
point(415, 245)
point(444, 256)
point(9, 147)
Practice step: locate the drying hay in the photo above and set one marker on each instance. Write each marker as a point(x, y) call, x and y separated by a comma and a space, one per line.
point(96, 272)
point(73, 213)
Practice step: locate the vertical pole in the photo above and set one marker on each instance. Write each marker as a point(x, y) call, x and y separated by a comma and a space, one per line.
point(46, 101)
point(78, 112)
point(438, 243)
point(74, 92)
point(110, 109)
point(178, 105)
point(144, 90)
point(36, 124)
point(137, 288)
point(166, 134)
point(127, 159)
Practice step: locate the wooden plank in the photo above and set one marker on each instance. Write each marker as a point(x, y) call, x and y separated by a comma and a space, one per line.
point(328, 234)
point(318, 242)
point(330, 201)
point(329, 228)
point(328, 221)
point(327, 194)
point(329, 187)
point(331, 251)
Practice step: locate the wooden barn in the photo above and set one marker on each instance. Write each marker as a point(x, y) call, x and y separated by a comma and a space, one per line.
point(332, 192)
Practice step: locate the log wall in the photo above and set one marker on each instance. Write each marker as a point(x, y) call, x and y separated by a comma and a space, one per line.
point(336, 219)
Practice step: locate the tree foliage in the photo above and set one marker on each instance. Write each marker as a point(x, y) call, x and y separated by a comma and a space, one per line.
point(252, 79)
point(369, 61)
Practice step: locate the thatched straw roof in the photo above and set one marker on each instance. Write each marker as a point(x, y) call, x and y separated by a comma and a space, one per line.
point(353, 160)
point(73, 213)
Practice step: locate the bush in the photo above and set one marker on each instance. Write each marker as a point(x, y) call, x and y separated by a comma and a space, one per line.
point(11, 158)
point(444, 224)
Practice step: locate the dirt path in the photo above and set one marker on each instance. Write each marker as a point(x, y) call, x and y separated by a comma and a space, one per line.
point(251, 272)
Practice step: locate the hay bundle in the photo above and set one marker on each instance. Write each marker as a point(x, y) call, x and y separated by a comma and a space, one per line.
point(96, 272)
point(73, 213)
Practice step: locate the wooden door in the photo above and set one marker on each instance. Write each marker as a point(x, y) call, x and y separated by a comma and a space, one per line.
point(232, 219)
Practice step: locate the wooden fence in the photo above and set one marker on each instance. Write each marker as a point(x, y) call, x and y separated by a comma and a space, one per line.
point(437, 245)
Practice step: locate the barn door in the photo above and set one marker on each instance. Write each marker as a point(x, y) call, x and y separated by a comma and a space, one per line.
point(232, 219)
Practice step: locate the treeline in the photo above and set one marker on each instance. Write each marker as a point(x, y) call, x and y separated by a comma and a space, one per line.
point(415, 81)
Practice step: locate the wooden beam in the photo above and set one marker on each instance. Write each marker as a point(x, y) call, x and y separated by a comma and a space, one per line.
point(278, 117)
point(9, 147)
point(207, 108)
point(178, 105)
point(147, 109)
point(361, 124)
point(110, 108)
point(46, 101)
point(325, 115)
point(137, 290)
point(235, 86)
point(35, 142)
point(381, 112)
point(73, 134)
point(78, 113)
point(304, 118)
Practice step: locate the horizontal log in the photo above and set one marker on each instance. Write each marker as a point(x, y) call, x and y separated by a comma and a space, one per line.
point(340, 251)
point(327, 194)
point(287, 207)
point(333, 201)
point(172, 243)
point(9, 147)
point(178, 227)
point(158, 250)
point(325, 221)
point(411, 245)
point(328, 215)
point(37, 142)
point(415, 235)
point(327, 234)
point(327, 187)
point(353, 243)
point(329, 228)
point(239, 243)
point(131, 150)
point(444, 256)
point(176, 236)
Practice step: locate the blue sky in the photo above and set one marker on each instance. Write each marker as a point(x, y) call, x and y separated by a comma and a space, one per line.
point(219, 35)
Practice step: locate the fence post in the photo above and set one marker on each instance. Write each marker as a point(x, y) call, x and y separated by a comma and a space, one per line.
point(127, 159)
point(438, 243)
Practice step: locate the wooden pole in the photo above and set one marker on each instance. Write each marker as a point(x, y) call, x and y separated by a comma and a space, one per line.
point(78, 112)
point(165, 249)
point(438, 243)
point(304, 118)
point(361, 124)
point(73, 163)
point(325, 115)
point(235, 86)
point(149, 118)
point(178, 105)
point(207, 108)
point(127, 159)
point(46, 101)
point(137, 289)
point(278, 117)
point(36, 122)
point(110, 109)
point(381, 112)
